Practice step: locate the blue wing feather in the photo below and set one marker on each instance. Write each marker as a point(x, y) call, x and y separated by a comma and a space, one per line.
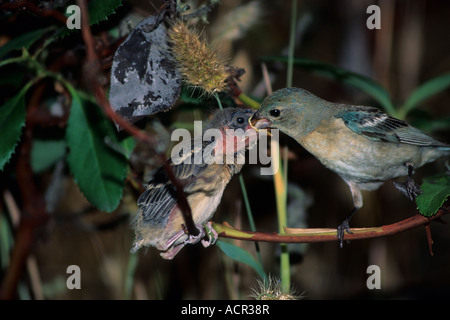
point(376, 125)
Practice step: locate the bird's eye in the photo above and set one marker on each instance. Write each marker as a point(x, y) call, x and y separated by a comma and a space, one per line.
point(275, 113)
point(240, 120)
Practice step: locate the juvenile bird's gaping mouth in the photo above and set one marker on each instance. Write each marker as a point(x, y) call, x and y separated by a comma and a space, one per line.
point(259, 123)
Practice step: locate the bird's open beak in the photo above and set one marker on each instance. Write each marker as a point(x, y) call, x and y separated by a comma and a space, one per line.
point(258, 123)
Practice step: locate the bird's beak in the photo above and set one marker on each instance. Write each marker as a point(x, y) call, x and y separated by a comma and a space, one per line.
point(258, 123)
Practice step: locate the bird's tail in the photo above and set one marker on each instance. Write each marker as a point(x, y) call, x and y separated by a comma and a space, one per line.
point(445, 149)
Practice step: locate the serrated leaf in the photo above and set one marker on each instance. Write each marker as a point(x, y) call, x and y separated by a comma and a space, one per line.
point(99, 10)
point(144, 77)
point(12, 120)
point(435, 191)
point(240, 255)
point(97, 168)
point(363, 83)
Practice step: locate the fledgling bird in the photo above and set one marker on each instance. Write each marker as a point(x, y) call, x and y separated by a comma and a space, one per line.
point(363, 145)
point(159, 221)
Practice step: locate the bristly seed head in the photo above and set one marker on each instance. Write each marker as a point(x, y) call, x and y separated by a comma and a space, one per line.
point(271, 289)
point(198, 63)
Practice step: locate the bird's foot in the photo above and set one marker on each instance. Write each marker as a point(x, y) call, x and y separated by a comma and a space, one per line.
point(341, 229)
point(410, 188)
point(211, 235)
point(194, 239)
point(207, 235)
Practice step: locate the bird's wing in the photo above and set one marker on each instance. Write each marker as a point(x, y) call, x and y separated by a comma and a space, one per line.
point(160, 197)
point(376, 125)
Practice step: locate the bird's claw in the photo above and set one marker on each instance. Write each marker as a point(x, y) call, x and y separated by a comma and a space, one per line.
point(341, 229)
point(410, 189)
point(194, 239)
point(211, 235)
point(207, 235)
point(206, 230)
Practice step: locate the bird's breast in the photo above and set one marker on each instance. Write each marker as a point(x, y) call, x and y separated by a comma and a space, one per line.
point(355, 157)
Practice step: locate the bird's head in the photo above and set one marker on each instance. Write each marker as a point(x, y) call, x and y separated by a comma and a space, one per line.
point(292, 110)
point(236, 132)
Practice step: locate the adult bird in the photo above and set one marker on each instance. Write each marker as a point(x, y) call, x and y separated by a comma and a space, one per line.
point(202, 170)
point(363, 145)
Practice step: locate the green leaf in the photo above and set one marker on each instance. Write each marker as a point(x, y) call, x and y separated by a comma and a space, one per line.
point(23, 41)
point(429, 125)
point(128, 145)
point(45, 153)
point(99, 10)
point(12, 119)
point(435, 190)
point(425, 91)
point(363, 83)
point(6, 241)
point(240, 255)
point(97, 168)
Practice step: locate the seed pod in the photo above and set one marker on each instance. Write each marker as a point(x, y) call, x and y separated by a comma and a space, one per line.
point(199, 65)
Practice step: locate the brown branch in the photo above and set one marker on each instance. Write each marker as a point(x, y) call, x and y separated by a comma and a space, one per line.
point(33, 212)
point(93, 70)
point(16, 5)
point(294, 235)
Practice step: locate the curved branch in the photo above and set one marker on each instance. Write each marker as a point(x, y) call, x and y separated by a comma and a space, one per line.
point(294, 235)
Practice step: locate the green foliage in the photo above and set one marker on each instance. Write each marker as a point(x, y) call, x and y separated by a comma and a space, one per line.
point(46, 153)
point(363, 83)
point(23, 41)
point(99, 10)
point(435, 191)
point(425, 91)
point(238, 254)
point(12, 120)
point(98, 169)
point(6, 240)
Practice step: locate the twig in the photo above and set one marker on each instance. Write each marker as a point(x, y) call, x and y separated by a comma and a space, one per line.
point(294, 235)
point(33, 212)
point(429, 238)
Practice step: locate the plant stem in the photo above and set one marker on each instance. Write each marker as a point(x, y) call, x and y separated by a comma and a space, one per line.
point(280, 177)
point(280, 194)
point(290, 66)
point(251, 221)
point(249, 101)
point(218, 101)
